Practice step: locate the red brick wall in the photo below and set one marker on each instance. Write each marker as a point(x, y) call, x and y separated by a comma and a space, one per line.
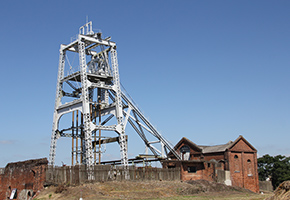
point(251, 174)
point(23, 175)
point(209, 172)
point(235, 163)
point(217, 156)
point(244, 170)
point(242, 146)
point(185, 175)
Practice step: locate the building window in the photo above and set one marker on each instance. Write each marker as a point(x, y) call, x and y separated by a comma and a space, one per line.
point(185, 152)
point(236, 164)
point(184, 149)
point(191, 169)
point(249, 165)
point(208, 165)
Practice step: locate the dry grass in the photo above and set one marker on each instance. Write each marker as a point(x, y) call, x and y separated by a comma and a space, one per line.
point(149, 190)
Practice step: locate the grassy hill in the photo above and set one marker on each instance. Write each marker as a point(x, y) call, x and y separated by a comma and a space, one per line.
point(149, 190)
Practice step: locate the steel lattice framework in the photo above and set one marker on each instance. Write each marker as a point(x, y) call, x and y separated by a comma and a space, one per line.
point(99, 99)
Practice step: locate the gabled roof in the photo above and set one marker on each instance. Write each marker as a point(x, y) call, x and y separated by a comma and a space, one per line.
point(215, 148)
point(187, 141)
point(241, 138)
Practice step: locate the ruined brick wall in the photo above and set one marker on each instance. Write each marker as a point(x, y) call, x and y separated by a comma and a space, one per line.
point(205, 170)
point(209, 173)
point(185, 175)
point(24, 176)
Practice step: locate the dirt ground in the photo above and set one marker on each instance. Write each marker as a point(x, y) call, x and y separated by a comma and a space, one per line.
point(149, 190)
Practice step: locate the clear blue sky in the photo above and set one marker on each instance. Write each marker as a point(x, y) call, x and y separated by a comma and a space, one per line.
point(206, 70)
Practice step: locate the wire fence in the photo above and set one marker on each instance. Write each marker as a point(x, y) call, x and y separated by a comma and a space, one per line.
point(75, 175)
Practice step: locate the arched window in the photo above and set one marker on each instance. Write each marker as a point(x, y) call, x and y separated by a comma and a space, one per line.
point(249, 167)
point(184, 149)
point(185, 152)
point(237, 164)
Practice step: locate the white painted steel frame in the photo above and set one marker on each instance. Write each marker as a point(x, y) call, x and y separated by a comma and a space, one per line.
point(122, 107)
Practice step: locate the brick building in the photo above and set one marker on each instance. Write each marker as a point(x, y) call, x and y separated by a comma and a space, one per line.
point(24, 178)
point(234, 163)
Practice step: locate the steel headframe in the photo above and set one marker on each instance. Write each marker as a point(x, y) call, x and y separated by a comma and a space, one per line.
point(101, 73)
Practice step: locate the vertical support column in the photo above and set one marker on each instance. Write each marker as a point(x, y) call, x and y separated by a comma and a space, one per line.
point(86, 104)
point(162, 149)
point(56, 105)
point(100, 92)
point(95, 135)
point(82, 139)
point(119, 108)
point(77, 133)
point(100, 122)
point(72, 138)
point(86, 109)
point(146, 149)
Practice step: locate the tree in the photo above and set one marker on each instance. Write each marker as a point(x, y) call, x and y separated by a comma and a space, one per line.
point(277, 168)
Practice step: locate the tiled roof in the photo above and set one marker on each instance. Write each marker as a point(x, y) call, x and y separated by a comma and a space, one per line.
point(215, 148)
